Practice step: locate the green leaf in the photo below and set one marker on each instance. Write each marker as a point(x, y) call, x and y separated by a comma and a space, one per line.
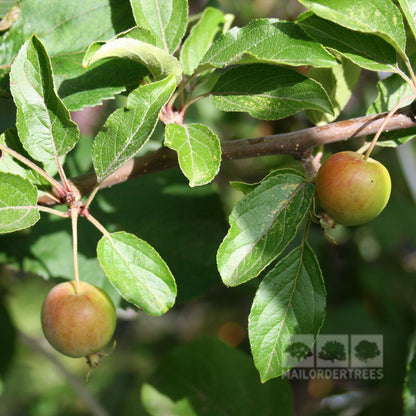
point(339, 83)
point(409, 12)
point(159, 62)
point(137, 271)
point(43, 122)
point(127, 129)
point(268, 92)
point(262, 225)
point(366, 50)
point(79, 87)
point(390, 91)
point(166, 19)
point(58, 27)
point(18, 198)
point(9, 164)
point(65, 27)
point(290, 301)
point(244, 187)
point(207, 377)
point(379, 17)
point(268, 41)
point(199, 151)
point(200, 39)
point(409, 391)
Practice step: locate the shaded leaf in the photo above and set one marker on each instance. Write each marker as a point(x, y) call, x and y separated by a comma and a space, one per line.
point(200, 39)
point(289, 304)
point(380, 17)
point(268, 92)
point(339, 83)
point(137, 271)
point(199, 151)
point(409, 391)
point(409, 12)
point(269, 41)
point(79, 87)
point(262, 224)
point(127, 129)
point(18, 198)
point(166, 19)
point(390, 91)
point(366, 50)
point(136, 46)
point(207, 377)
point(43, 122)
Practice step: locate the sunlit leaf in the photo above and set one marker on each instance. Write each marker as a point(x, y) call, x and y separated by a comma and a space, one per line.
point(18, 198)
point(290, 301)
point(200, 39)
point(366, 50)
point(166, 19)
point(380, 17)
point(43, 122)
point(262, 224)
point(136, 45)
point(269, 41)
point(127, 129)
point(268, 92)
point(137, 271)
point(409, 11)
point(199, 151)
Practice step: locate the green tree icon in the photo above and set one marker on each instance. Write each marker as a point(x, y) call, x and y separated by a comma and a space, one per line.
point(299, 350)
point(366, 350)
point(333, 350)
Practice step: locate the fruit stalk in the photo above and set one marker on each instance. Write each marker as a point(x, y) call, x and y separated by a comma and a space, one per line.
point(74, 221)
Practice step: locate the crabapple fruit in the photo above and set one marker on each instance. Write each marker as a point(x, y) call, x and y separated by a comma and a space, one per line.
point(351, 189)
point(78, 320)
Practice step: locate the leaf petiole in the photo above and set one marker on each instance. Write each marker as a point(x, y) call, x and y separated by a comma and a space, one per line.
point(95, 222)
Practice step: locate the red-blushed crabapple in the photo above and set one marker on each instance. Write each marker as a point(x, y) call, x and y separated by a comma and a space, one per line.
point(351, 189)
point(78, 321)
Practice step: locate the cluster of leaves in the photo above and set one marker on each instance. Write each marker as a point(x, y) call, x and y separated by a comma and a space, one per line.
point(168, 64)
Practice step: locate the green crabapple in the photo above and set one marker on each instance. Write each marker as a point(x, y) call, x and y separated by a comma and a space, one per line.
point(351, 189)
point(78, 321)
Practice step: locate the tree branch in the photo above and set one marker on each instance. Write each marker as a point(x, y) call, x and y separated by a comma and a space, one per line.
point(298, 144)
